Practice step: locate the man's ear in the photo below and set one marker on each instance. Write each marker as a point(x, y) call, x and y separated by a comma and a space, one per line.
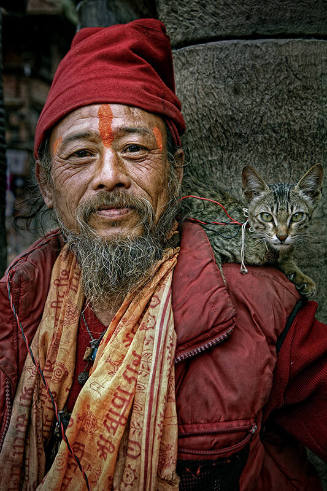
point(179, 164)
point(43, 182)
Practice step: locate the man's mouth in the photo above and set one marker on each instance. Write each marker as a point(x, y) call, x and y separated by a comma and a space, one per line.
point(113, 212)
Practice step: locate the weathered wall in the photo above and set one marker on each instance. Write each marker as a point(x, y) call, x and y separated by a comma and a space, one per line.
point(252, 78)
point(197, 20)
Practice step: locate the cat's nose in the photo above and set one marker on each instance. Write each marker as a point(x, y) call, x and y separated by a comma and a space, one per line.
point(281, 237)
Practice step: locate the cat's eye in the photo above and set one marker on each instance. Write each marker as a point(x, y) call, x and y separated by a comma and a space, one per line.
point(266, 217)
point(298, 216)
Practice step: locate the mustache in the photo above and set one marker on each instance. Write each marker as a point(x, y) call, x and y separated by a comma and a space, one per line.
point(115, 199)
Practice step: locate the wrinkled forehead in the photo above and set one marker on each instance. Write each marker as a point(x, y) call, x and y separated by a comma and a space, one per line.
point(99, 118)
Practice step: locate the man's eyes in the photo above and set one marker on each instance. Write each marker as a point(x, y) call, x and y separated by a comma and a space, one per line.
point(132, 150)
point(80, 154)
point(134, 147)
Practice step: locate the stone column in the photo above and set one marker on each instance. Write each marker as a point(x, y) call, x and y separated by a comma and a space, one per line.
point(252, 78)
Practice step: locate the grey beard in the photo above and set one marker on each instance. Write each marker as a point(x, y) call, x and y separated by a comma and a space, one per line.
point(113, 267)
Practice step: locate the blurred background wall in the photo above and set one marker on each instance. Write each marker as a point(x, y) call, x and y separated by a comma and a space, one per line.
point(35, 36)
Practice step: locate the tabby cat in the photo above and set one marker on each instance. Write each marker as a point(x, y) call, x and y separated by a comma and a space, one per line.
point(277, 216)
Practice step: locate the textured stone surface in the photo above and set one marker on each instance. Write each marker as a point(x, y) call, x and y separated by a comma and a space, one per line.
point(262, 103)
point(199, 20)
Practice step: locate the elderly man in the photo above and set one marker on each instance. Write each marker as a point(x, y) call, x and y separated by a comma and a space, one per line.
point(146, 369)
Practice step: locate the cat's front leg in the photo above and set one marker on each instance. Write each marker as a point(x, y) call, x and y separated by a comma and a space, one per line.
point(303, 283)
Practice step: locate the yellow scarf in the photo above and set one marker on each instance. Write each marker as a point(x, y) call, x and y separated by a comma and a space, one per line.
point(123, 428)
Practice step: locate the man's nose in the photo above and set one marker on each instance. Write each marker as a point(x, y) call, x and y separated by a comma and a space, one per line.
point(111, 172)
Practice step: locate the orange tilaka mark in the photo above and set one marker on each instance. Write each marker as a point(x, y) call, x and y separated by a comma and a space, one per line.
point(56, 144)
point(105, 120)
point(158, 137)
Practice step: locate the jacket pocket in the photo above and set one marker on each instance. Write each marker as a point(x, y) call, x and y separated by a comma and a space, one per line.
point(219, 440)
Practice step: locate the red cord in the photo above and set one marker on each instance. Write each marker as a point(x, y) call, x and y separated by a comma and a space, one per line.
point(233, 221)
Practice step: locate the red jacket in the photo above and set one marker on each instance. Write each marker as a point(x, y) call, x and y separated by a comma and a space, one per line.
point(234, 392)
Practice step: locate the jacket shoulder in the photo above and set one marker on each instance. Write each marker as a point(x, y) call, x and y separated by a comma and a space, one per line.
point(207, 301)
point(264, 294)
point(24, 288)
point(42, 250)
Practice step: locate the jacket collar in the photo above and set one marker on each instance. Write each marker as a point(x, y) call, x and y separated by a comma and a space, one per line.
point(203, 311)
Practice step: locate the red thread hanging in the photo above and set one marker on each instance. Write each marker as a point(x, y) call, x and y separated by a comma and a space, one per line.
point(232, 220)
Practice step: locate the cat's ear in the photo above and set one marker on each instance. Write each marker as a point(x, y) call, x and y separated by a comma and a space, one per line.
point(252, 183)
point(311, 183)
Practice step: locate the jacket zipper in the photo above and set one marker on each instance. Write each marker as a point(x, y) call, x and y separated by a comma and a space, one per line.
point(232, 448)
point(204, 347)
point(5, 426)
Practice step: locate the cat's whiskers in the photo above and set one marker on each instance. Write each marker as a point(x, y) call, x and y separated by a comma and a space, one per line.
point(307, 238)
point(259, 238)
point(264, 237)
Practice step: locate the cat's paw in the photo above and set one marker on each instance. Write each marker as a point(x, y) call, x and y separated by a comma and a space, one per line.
point(308, 289)
point(291, 277)
point(304, 284)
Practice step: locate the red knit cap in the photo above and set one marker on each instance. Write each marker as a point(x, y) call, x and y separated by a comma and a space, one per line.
point(126, 64)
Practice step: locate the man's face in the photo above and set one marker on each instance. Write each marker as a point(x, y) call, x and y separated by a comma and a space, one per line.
point(106, 150)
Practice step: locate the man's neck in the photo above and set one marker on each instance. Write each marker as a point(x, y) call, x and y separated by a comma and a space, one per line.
point(105, 315)
point(106, 310)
